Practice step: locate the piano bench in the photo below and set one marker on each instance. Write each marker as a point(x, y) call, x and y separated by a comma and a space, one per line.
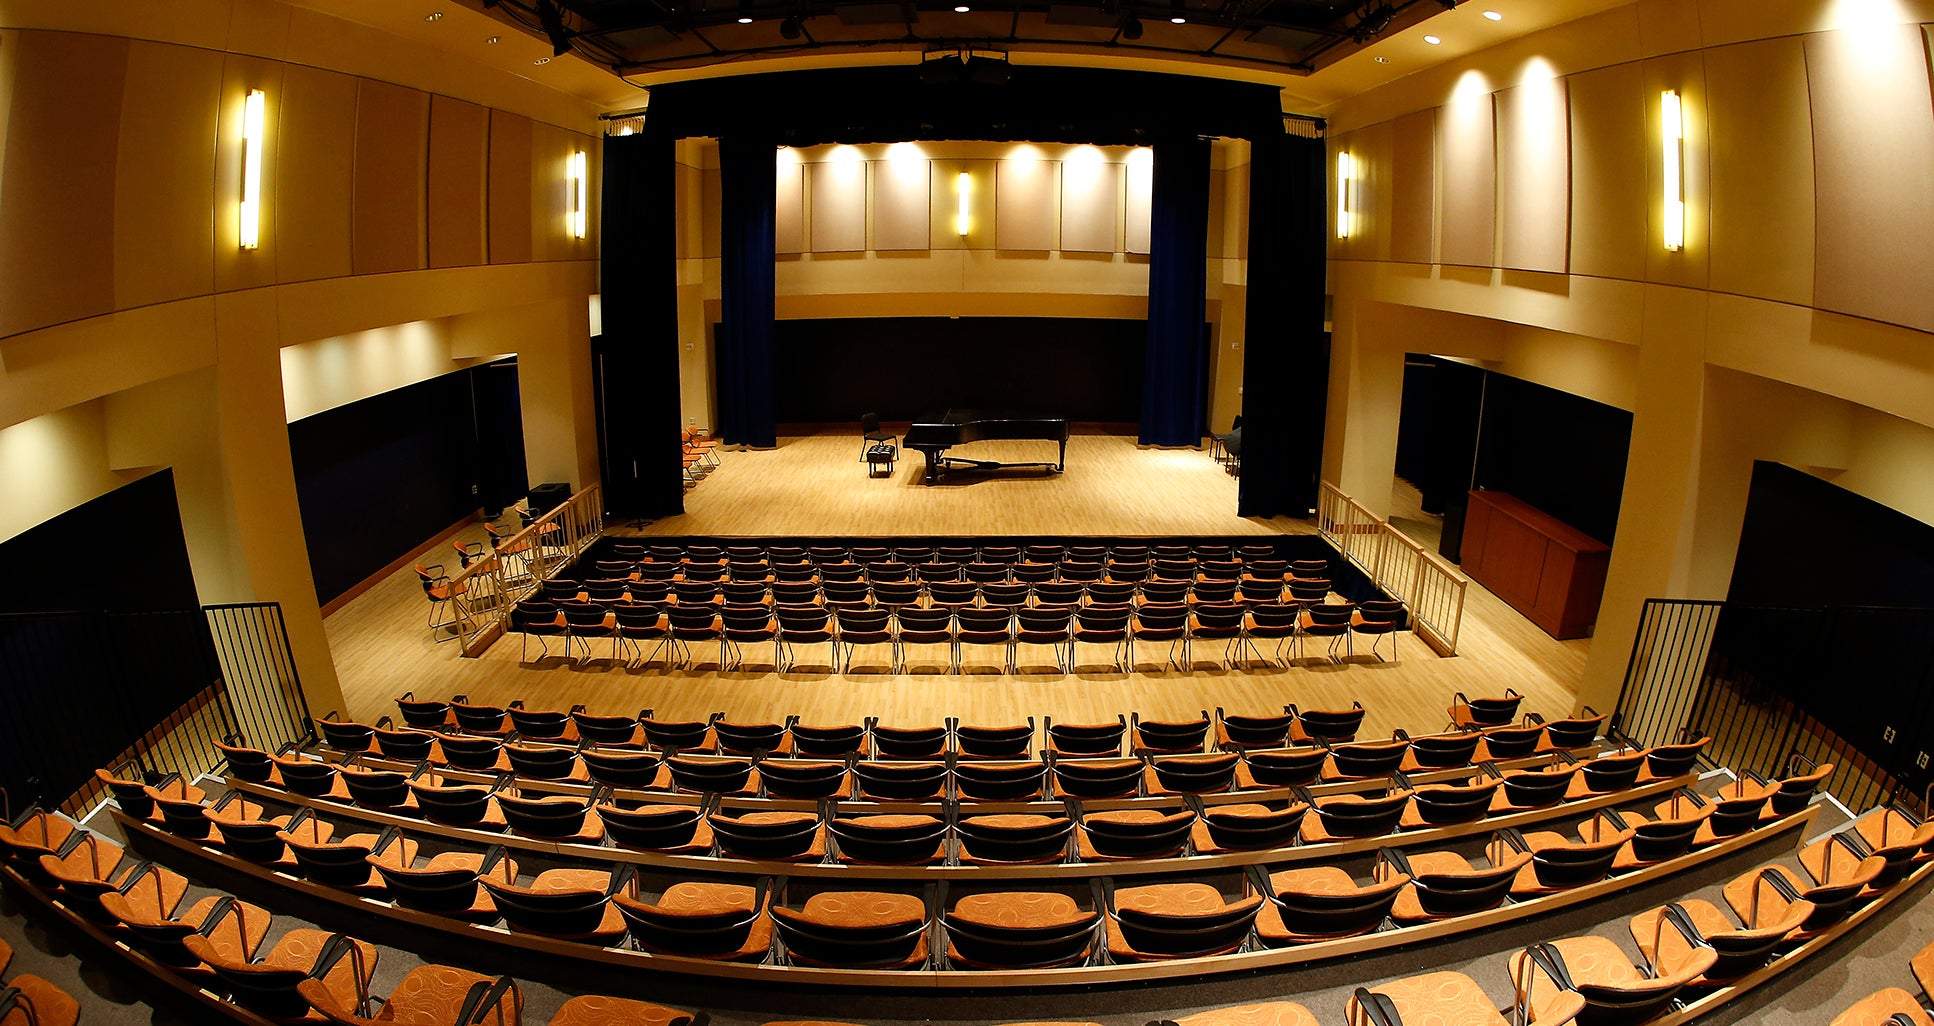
point(881, 454)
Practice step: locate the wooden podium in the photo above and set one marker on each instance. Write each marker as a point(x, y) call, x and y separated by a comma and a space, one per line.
point(1546, 569)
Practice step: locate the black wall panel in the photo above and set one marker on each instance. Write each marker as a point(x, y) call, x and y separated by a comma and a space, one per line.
point(1562, 453)
point(377, 477)
point(829, 371)
point(135, 530)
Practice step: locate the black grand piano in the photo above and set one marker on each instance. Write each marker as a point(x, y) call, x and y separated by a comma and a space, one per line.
point(958, 427)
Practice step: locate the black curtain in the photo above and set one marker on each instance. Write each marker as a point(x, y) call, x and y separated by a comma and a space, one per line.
point(636, 359)
point(1285, 368)
point(1177, 277)
point(748, 197)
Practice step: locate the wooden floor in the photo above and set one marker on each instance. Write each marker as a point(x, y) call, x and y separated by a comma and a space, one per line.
point(814, 485)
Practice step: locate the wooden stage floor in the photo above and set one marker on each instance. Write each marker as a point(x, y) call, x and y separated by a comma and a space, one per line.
point(813, 484)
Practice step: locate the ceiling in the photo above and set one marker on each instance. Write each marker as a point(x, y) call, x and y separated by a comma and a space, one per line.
point(1272, 37)
point(620, 48)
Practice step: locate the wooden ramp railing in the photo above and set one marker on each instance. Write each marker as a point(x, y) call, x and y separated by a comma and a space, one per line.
point(493, 585)
point(1431, 588)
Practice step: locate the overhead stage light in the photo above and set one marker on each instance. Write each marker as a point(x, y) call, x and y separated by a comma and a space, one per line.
point(1131, 27)
point(789, 28)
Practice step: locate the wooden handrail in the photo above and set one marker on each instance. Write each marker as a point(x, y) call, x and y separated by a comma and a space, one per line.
point(577, 521)
point(1435, 590)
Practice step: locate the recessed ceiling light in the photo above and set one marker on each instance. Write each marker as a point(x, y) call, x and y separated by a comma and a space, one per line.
point(1432, 40)
point(1381, 60)
point(433, 16)
point(494, 40)
point(962, 9)
point(542, 60)
point(1178, 20)
point(1494, 16)
point(743, 20)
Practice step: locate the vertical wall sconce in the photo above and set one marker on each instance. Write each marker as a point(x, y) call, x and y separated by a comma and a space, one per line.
point(1672, 138)
point(577, 195)
point(1345, 193)
point(965, 189)
point(254, 114)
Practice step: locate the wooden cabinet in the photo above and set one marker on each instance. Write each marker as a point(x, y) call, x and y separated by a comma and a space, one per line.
point(1546, 569)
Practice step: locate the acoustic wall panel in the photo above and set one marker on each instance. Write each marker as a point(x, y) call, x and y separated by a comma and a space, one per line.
point(1761, 221)
point(1091, 202)
point(510, 188)
point(1413, 186)
point(57, 222)
point(789, 213)
point(1468, 224)
point(1534, 176)
point(900, 202)
point(1608, 173)
point(312, 174)
point(162, 203)
point(836, 199)
point(459, 164)
point(1873, 153)
point(1140, 171)
point(1024, 215)
point(392, 130)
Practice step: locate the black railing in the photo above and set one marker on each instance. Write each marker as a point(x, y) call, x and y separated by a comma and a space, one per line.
point(1841, 685)
point(84, 690)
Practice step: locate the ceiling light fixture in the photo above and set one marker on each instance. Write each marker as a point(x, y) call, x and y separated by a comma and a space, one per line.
point(1371, 21)
point(745, 12)
point(962, 9)
point(552, 20)
point(789, 28)
point(1175, 15)
point(1432, 40)
point(1494, 16)
point(541, 61)
point(493, 40)
point(1131, 27)
point(433, 16)
point(743, 20)
point(1381, 60)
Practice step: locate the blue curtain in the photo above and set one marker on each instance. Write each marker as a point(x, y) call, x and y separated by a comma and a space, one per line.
point(635, 360)
point(1285, 366)
point(1177, 277)
point(748, 192)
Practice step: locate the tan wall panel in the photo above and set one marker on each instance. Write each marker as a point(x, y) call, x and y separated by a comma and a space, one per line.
point(392, 149)
point(1024, 216)
point(1413, 187)
point(459, 169)
point(310, 181)
point(789, 217)
point(1873, 132)
point(1534, 176)
point(900, 203)
point(1091, 205)
point(837, 205)
point(1468, 222)
point(164, 207)
point(1608, 156)
point(510, 188)
point(1761, 141)
point(1139, 222)
point(57, 209)
point(1374, 146)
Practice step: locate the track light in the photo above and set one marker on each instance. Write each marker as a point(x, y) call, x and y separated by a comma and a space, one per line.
point(1372, 21)
point(789, 28)
point(1131, 27)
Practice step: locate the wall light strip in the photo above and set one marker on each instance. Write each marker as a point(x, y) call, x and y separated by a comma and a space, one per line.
point(578, 215)
point(1345, 188)
point(965, 189)
point(1672, 131)
point(254, 116)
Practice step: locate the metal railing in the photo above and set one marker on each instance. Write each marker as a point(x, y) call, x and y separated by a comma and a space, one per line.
point(1430, 588)
point(228, 667)
point(491, 586)
point(1727, 671)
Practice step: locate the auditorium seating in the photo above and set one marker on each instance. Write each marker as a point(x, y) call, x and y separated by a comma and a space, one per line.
point(28, 1000)
point(901, 595)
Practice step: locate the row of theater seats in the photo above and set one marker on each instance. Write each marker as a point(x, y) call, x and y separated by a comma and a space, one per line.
point(959, 617)
point(28, 1000)
point(1492, 721)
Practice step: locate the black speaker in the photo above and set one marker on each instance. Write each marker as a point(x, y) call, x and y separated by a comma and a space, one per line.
point(547, 497)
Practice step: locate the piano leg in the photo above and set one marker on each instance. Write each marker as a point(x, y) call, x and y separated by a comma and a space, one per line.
point(933, 464)
point(1062, 465)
